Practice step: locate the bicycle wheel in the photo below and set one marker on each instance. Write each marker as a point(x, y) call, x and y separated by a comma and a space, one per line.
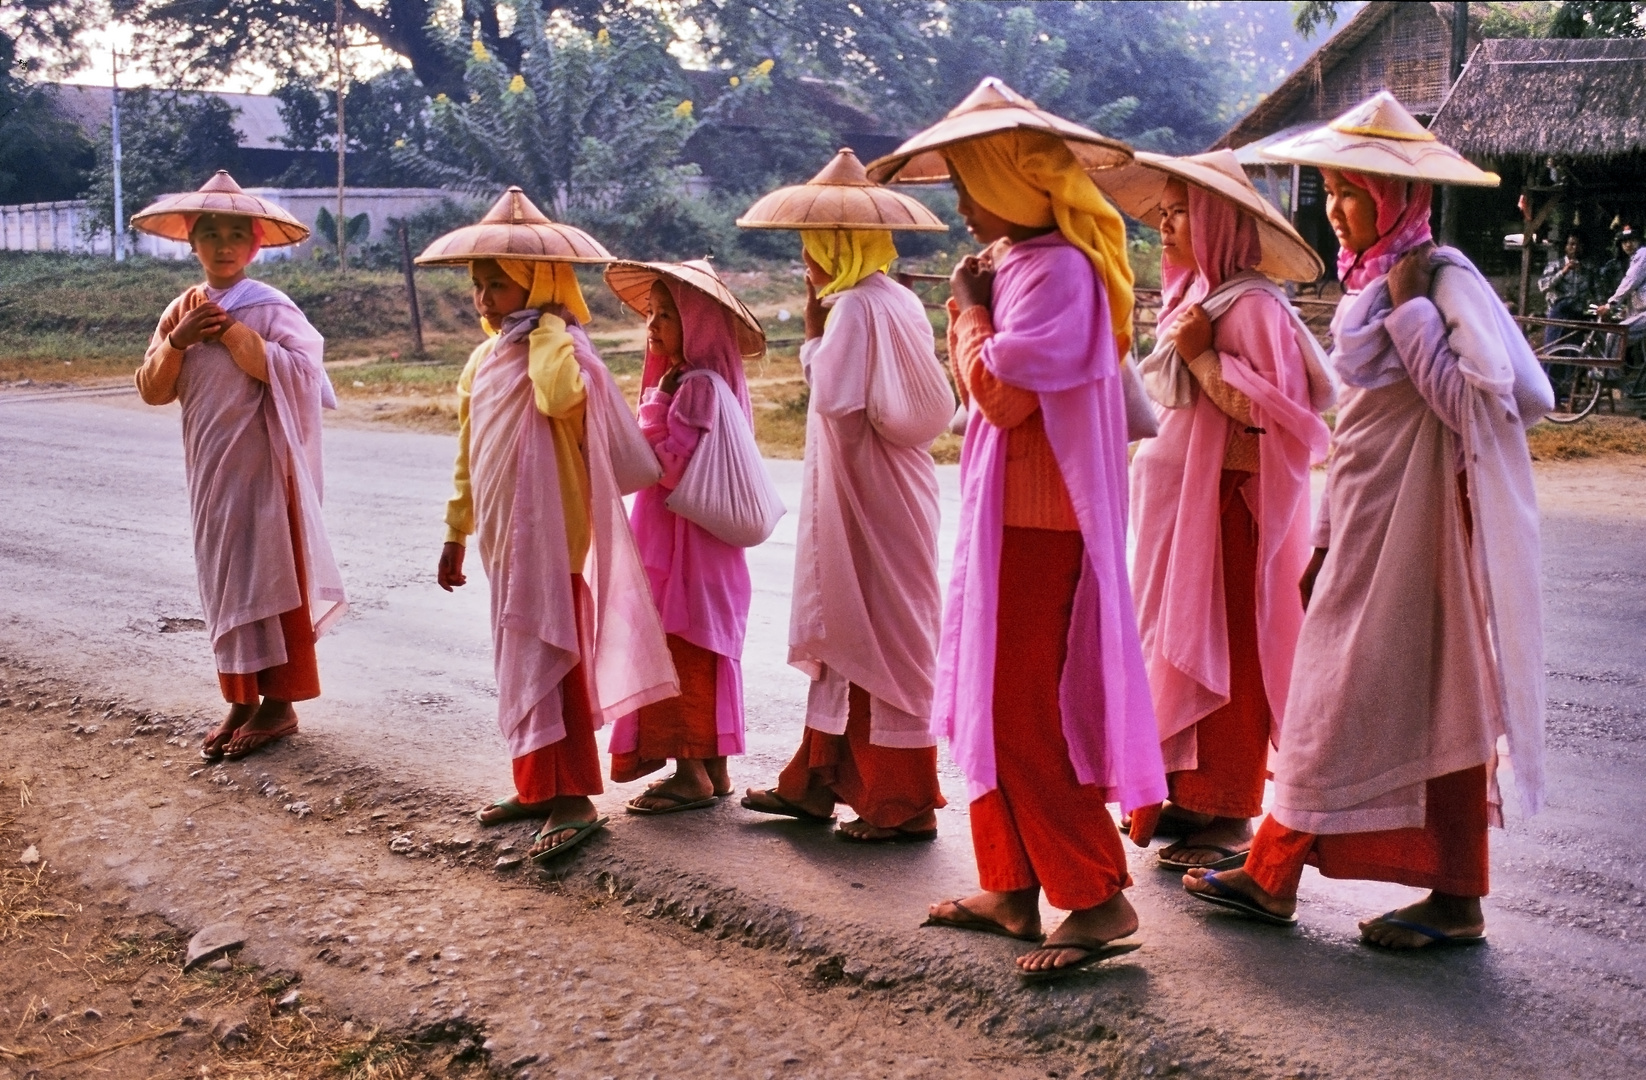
point(1576, 384)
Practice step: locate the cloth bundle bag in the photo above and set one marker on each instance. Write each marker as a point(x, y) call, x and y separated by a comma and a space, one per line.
point(725, 488)
point(634, 463)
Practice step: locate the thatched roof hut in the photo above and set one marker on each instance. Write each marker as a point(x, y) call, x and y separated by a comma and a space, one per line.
point(1549, 98)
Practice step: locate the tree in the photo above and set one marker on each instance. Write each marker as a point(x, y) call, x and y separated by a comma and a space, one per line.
point(1599, 20)
point(431, 35)
point(388, 110)
point(169, 141)
point(45, 34)
point(591, 126)
point(43, 157)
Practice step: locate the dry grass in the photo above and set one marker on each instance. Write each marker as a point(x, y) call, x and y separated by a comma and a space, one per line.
point(1593, 436)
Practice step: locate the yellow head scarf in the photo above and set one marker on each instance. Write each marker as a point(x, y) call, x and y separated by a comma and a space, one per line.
point(548, 283)
point(1032, 179)
point(848, 255)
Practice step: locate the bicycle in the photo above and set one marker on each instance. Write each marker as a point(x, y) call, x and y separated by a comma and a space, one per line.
point(1588, 359)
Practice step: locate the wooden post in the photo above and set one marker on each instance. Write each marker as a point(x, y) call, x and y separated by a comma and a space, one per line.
point(411, 289)
point(342, 148)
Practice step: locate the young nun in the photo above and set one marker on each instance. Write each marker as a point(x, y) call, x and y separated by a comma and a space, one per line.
point(1422, 645)
point(699, 582)
point(539, 484)
point(245, 365)
point(1041, 687)
point(867, 609)
point(1220, 500)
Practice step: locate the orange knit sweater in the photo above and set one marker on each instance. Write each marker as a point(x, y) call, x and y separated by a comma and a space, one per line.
point(1035, 496)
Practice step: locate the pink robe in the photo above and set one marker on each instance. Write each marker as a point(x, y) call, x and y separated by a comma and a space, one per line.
point(867, 609)
point(700, 583)
point(1052, 337)
point(521, 531)
point(244, 442)
point(1177, 574)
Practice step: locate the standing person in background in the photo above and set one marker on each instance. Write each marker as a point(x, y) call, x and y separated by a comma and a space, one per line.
point(1220, 500)
point(867, 609)
point(1569, 285)
point(539, 483)
point(1041, 686)
point(1627, 303)
point(1423, 644)
point(700, 583)
point(247, 368)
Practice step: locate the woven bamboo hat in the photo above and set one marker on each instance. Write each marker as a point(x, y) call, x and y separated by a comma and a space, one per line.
point(516, 229)
point(1139, 187)
point(992, 108)
point(632, 282)
point(840, 197)
point(171, 215)
point(1380, 137)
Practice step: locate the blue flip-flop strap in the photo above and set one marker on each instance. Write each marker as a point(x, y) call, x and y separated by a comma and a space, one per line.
point(1417, 928)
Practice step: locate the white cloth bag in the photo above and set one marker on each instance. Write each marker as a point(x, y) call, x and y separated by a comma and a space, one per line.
point(725, 488)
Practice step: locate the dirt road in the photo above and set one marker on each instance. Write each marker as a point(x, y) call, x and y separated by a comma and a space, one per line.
point(99, 596)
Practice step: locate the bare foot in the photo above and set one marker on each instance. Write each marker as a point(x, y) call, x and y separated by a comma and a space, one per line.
point(566, 813)
point(217, 740)
point(689, 783)
point(718, 776)
point(818, 802)
point(1455, 916)
point(1017, 913)
point(1200, 848)
point(921, 825)
point(512, 809)
point(1241, 882)
point(273, 721)
point(1111, 920)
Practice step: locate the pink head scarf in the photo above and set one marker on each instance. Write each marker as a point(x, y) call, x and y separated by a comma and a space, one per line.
point(1402, 224)
point(708, 340)
point(1224, 241)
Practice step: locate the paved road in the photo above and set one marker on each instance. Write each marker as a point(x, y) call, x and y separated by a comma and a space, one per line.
point(95, 568)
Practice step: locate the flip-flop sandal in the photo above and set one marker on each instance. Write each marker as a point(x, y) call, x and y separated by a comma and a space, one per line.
point(1096, 953)
point(1231, 860)
point(248, 743)
point(513, 810)
point(982, 924)
point(1437, 938)
point(1225, 897)
point(680, 803)
point(214, 754)
point(584, 830)
point(898, 836)
point(785, 808)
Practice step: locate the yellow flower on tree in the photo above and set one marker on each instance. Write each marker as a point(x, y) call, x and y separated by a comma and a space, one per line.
point(684, 109)
point(479, 50)
point(765, 67)
point(604, 37)
point(517, 85)
point(734, 80)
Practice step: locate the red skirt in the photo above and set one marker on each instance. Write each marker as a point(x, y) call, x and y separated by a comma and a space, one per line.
point(887, 786)
point(571, 766)
point(683, 726)
point(1040, 826)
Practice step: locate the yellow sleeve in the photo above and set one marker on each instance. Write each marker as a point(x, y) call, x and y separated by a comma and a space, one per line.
point(557, 381)
point(460, 507)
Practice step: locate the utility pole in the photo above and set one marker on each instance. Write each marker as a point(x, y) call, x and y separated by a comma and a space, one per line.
point(342, 148)
point(1460, 54)
point(114, 135)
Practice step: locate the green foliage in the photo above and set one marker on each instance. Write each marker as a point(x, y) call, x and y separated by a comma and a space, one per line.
point(169, 141)
point(1311, 16)
point(388, 110)
point(325, 228)
point(590, 127)
point(43, 157)
point(1599, 20)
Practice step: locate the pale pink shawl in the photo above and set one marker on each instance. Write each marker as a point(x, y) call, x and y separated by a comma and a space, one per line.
point(1177, 573)
point(1052, 336)
point(867, 608)
point(700, 583)
point(521, 530)
point(244, 442)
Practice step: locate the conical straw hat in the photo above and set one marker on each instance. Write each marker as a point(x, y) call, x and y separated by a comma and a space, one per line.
point(992, 108)
point(840, 197)
point(1380, 137)
point(514, 229)
point(1139, 187)
point(170, 215)
point(632, 282)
